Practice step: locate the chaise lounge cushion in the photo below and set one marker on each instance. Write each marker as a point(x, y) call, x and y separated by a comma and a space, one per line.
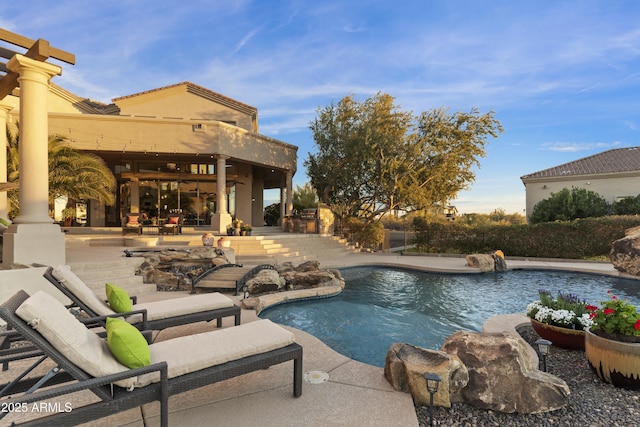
point(216, 347)
point(127, 344)
point(118, 298)
point(156, 310)
point(173, 307)
point(77, 287)
point(70, 337)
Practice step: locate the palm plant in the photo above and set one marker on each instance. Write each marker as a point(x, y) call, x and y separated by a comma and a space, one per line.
point(74, 174)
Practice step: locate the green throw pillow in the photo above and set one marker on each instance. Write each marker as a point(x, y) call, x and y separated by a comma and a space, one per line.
point(127, 344)
point(118, 298)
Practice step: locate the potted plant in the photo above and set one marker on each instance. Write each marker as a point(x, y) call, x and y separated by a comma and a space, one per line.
point(561, 320)
point(67, 216)
point(612, 344)
point(246, 230)
point(237, 223)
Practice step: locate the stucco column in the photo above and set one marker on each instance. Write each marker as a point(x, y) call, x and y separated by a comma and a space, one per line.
point(4, 114)
point(221, 219)
point(221, 184)
point(283, 203)
point(289, 184)
point(33, 238)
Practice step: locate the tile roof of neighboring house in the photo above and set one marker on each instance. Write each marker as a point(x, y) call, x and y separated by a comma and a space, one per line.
point(612, 161)
point(205, 93)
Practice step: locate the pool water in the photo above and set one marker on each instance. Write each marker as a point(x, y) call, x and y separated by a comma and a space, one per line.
point(382, 305)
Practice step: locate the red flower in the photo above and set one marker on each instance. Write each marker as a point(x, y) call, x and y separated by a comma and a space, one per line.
point(614, 297)
point(591, 308)
point(592, 315)
point(608, 311)
point(637, 325)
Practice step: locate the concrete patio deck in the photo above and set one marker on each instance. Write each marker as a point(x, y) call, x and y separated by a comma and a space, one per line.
point(355, 393)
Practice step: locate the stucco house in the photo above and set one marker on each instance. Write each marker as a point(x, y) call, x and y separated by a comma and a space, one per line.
point(175, 145)
point(614, 174)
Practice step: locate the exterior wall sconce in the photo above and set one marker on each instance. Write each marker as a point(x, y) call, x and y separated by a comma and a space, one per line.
point(544, 187)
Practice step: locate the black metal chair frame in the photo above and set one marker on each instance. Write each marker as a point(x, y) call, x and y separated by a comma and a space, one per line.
point(146, 324)
point(115, 399)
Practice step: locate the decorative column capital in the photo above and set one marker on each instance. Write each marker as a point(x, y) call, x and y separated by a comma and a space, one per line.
point(20, 63)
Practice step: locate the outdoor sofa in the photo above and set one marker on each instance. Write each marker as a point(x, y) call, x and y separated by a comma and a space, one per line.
point(156, 315)
point(84, 361)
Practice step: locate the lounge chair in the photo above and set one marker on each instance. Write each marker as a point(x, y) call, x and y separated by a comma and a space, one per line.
point(176, 365)
point(173, 225)
point(132, 223)
point(155, 315)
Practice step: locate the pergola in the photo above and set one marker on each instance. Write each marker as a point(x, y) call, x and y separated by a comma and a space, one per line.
point(33, 237)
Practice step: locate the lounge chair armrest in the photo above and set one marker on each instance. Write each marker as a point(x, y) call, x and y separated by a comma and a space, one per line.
point(102, 319)
point(133, 298)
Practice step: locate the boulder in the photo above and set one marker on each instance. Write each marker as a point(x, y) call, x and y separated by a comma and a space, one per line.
point(312, 279)
point(406, 365)
point(265, 281)
point(625, 252)
point(502, 375)
point(484, 262)
point(308, 266)
point(487, 262)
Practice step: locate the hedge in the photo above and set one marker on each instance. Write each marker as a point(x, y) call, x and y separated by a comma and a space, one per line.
point(577, 239)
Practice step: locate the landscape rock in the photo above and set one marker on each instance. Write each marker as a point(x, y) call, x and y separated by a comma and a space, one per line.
point(406, 365)
point(487, 262)
point(265, 281)
point(502, 376)
point(308, 266)
point(312, 279)
point(625, 252)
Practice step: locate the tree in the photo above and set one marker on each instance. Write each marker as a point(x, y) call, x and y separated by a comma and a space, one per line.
point(74, 174)
point(304, 197)
point(567, 205)
point(373, 158)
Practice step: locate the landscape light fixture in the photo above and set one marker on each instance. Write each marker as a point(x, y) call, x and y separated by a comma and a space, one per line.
point(544, 346)
point(433, 380)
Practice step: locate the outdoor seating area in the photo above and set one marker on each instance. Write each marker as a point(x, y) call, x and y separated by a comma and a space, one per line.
point(150, 316)
point(86, 361)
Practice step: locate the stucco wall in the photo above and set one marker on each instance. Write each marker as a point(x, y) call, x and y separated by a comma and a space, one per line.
point(610, 187)
point(184, 106)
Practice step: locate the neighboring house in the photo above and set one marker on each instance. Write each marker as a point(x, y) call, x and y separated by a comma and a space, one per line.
point(614, 174)
point(181, 140)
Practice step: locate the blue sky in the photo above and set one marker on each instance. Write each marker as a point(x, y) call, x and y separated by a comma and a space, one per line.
point(563, 77)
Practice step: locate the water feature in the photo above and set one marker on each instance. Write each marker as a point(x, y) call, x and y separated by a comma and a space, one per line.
point(382, 305)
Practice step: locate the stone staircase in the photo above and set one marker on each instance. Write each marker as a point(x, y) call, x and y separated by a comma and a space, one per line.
point(121, 273)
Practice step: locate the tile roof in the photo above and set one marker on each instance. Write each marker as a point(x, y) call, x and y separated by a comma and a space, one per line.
point(611, 161)
point(201, 91)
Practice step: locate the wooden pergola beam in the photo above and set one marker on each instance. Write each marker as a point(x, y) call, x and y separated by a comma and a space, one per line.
point(39, 50)
point(27, 43)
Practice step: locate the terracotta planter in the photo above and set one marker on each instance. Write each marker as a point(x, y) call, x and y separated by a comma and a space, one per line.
point(572, 339)
point(615, 362)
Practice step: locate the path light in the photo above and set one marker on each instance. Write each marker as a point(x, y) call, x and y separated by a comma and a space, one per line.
point(433, 380)
point(544, 346)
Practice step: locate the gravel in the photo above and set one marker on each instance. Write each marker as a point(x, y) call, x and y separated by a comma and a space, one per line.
point(591, 403)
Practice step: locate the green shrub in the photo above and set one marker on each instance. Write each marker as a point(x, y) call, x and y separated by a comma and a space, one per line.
point(578, 239)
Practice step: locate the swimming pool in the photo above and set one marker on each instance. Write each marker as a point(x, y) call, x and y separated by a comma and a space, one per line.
point(382, 305)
